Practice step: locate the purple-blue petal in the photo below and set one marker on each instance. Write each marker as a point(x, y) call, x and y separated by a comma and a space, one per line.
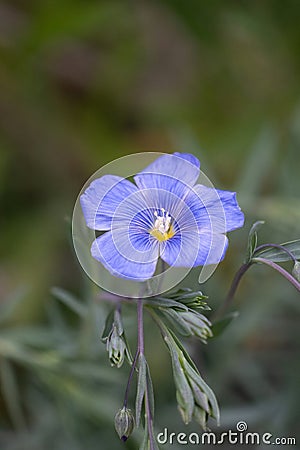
point(181, 250)
point(101, 199)
point(194, 249)
point(215, 210)
point(173, 172)
point(105, 251)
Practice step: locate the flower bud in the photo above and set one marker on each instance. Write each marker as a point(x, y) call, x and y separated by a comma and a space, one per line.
point(116, 347)
point(296, 270)
point(124, 423)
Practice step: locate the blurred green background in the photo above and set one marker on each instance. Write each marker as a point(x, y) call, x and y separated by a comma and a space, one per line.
point(83, 83)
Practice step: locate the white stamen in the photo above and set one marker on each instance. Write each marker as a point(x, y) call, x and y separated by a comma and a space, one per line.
point(162, 222)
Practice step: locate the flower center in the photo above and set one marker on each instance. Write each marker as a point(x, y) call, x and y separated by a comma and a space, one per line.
point(162, 229)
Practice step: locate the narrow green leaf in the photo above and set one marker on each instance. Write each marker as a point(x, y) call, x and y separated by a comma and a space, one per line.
point(176, 321)
point(127, 350)
point(184, 393)
point(196, 377)
point(186, 355)
point(108, 325)
point(200, 416)
point(252, 239)
point(70, 301)
point(118, 321)
point(220, 325)
point(145, 442)
point(179, 292)
point(187, 294)
point(199, 396)
point(161, 302)
point(277, 255)
point(150, 391)
point(141, 387)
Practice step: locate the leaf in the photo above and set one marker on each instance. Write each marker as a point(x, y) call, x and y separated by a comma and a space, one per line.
point(200, 398)
point(70, 301)
point(278, 255)
point(186, 355)
point(200, 416)
point(252, 239)
point(187, 296)
point(108, 325)
point(145, 442)
point(118, 321)
point(184, 393)
point(141, 387)
point(176, 321)
point(186, 293)
point(161, 302)
point(220, 325)
point(127, 350)
point(196, 377)
point(150, 391)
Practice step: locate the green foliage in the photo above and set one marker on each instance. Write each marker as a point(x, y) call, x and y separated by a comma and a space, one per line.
point(252, 239)
point(279, 254)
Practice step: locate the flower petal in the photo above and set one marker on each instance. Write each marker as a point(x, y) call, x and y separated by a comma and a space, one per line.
point(104, 250)
point(173, 172)
point(215, 210)
point(212, 248)
point(195, 249)
point(181, 250)
point(101, 199)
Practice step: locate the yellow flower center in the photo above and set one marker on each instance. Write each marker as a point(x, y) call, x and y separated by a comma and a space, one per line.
point(162, 229)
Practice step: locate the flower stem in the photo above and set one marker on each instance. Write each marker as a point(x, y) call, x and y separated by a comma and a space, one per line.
point(243, 269)
point(234, 285)
point(140, 319)
point(139, 350)
point(279, 269)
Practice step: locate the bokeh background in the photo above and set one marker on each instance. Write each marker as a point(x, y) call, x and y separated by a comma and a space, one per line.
point(83, 83)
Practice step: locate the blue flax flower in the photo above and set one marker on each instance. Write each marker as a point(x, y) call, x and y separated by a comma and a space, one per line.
point(164, 214)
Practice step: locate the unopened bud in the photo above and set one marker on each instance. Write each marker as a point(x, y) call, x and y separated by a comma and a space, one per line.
point(116, 348)
point(296, 270)
point(124, 423)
